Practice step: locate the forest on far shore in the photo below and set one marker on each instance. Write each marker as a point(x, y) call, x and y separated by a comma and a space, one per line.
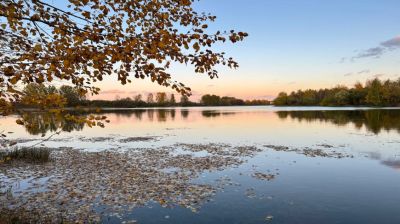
point(374, 92)
point(72, 98)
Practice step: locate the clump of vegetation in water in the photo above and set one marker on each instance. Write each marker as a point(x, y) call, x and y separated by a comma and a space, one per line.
point(34, 155)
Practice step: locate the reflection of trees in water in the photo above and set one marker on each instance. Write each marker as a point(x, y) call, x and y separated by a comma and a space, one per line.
point(138, 114)
point(172, 114)
point(185, 113)
point(161, 115)
point(41, 123)
point(374, 120)
point(150, 115)
point(215, 113)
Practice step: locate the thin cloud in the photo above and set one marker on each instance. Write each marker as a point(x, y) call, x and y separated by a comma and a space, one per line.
point(113, 91)
point(376, 52)
point(139, 92)
point(364, 71)
point(348, 74)
point(392, 43)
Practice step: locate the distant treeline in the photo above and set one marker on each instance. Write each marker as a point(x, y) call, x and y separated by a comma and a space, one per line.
point(214, 100)
point(373, 93)
point(161, 99)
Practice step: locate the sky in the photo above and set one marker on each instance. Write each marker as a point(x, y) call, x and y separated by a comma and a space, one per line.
point(293, 44)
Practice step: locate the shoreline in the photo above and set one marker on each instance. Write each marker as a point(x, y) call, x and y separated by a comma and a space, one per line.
point(319, 108)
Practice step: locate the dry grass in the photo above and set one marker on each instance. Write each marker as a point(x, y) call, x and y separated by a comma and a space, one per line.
point(33, 155)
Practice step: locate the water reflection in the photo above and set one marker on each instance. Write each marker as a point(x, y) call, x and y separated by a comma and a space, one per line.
point(215, 113)
point(393, 162)
point(373, 120)
point(159, 115)
point(185, 114)
point(136, 163)
point(41, 123)
point(164, 115)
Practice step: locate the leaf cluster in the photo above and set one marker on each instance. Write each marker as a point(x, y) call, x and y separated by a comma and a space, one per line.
point(90, 39)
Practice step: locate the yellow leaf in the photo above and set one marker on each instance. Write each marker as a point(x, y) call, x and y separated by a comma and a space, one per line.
point(38, 47)
point(86, 14)
point(196, 46)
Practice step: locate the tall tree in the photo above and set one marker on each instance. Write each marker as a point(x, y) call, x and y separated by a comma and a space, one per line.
point(374, 92)
point(71, 94)
point(391, 93)
point(150, 98)
point(80, 42)
point(172, 100)
point(282, 99)
point(184, 100)
point(161, 98)
point(342, 97)
point(138, 98)
point(47, 96)
point(210, 100)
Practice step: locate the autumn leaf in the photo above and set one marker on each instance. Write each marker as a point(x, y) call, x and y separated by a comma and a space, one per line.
point(95, 39)
point(20, 122)
point(196, 46)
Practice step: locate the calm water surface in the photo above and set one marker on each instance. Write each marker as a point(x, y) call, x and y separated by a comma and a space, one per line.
point(356, 181)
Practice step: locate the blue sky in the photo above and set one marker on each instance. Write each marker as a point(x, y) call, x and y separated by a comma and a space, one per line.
point(295, 44)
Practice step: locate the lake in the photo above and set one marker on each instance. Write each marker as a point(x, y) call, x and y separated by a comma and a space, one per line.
point(211, 165)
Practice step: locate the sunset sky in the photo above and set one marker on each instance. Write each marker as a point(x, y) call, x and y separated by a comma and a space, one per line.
point(292, 45)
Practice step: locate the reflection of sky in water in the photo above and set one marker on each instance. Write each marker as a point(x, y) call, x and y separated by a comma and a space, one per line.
point(364, 189)
point(244, 125)
point(307, 190)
